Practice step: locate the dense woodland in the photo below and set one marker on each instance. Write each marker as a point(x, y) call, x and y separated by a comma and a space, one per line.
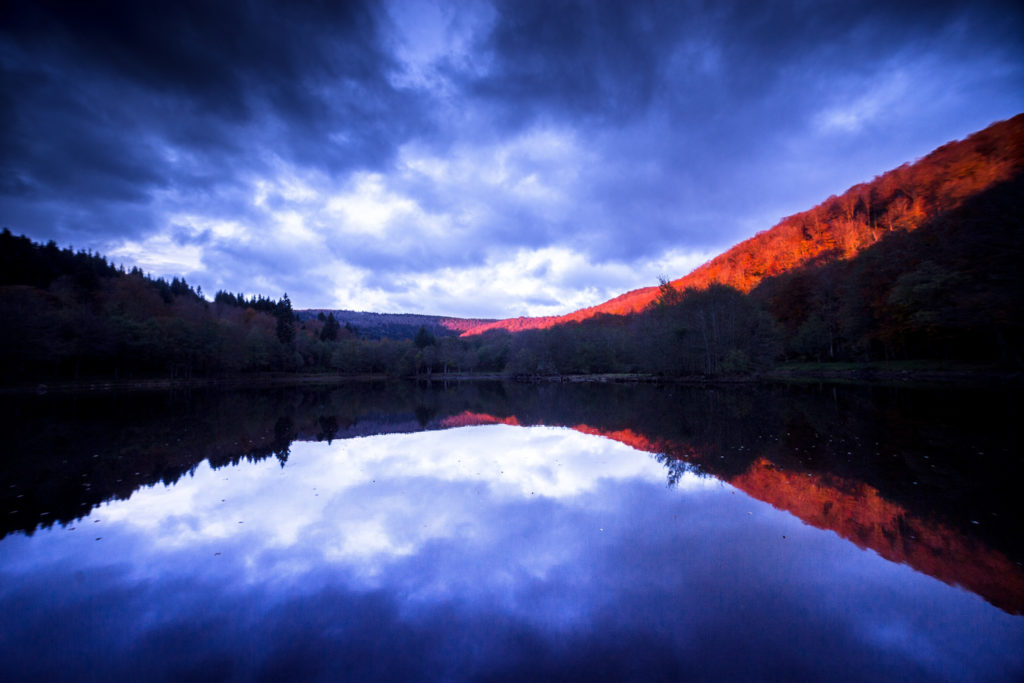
point(74, 315)
point(922, 263)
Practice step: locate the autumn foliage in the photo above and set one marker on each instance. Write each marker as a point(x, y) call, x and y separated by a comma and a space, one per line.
point(839, 228)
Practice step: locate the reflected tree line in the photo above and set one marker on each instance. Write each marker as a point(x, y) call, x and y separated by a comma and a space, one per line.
point(939, 468)
point(948, 455)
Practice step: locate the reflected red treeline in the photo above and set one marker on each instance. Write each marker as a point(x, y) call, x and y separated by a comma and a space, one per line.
point(904, 472)
point(852, 509)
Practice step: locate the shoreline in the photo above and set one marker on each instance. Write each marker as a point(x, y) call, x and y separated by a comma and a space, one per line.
point(98, 385)
point(868, 373)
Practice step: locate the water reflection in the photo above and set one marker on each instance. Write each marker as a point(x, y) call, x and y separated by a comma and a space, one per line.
point(369, 500)
point(403, 533)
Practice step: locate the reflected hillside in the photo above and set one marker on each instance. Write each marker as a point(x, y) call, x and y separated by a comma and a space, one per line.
point(920, 477)
point(919, 537)
point(858, 513)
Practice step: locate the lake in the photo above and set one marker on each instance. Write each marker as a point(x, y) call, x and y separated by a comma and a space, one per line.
point(488, 531)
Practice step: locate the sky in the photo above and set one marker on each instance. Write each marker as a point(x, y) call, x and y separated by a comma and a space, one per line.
point(469, 158)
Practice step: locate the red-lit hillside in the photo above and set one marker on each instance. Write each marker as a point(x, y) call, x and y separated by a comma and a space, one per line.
point(840, 227)
point(853, 509)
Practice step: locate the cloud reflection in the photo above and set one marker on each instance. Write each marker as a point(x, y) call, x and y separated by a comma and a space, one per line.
point(363, 502)
point(479, 552)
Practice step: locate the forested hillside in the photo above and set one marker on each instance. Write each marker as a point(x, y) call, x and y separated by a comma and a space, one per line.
point(839, 228)
point(70, 315)
point(951, 290)
point(922, 263)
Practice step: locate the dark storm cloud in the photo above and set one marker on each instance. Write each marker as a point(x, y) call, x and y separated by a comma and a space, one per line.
point(106, 103)
point(587, 58)
point(699, 94)
point(614, 60)
point(428, 143)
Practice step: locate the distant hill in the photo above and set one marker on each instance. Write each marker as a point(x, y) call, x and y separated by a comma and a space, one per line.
point(840, 227)
point(396, 325)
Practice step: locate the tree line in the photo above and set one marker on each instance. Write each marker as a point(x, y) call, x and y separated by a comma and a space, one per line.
point(952, 289)
point(73, 315)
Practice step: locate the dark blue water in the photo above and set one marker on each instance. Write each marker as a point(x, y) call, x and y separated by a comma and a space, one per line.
point(484, 552)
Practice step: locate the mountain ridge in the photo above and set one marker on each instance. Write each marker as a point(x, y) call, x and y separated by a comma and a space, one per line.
point(375, 325)
point(838, 228)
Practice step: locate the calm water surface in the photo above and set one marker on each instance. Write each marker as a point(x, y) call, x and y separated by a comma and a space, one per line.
point(491, 532)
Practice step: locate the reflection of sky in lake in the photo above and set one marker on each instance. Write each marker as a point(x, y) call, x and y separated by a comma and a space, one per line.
point(484, 552)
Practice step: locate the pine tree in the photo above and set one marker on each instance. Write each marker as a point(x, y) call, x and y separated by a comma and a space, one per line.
point(285, 320)
point(330, 329)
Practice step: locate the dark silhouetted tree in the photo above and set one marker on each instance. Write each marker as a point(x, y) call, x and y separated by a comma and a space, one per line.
point(330, 329)
point(424, 338)
point(285, 321)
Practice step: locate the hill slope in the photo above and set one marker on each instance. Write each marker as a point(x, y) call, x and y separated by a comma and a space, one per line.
point(840, 227)
point(396, 325)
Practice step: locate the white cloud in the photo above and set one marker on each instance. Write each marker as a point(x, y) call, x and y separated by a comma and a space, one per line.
point(352, 288)
point(450, 234)
point(542, 163)
point(446, 232)
point(545, 281)
point(865, 102)
point(291, 228)
point(288, 183)
point(159, 255)
point(369, 207)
